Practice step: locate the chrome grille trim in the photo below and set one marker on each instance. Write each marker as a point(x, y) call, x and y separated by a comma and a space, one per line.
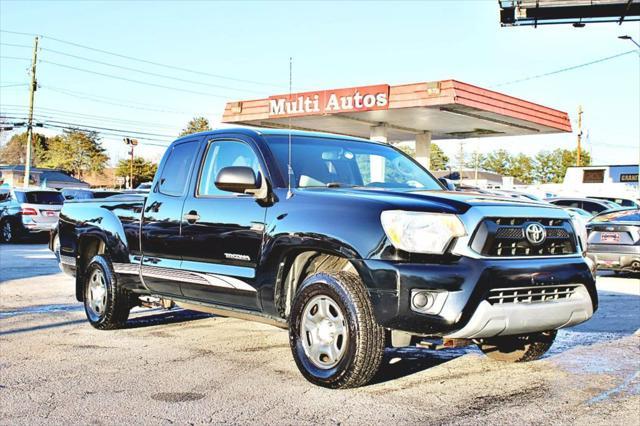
point(531, 294)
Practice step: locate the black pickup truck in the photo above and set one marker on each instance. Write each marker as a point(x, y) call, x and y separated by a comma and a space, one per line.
point(350, 244)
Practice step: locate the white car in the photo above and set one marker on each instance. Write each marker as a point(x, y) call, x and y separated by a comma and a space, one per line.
point(28, 211)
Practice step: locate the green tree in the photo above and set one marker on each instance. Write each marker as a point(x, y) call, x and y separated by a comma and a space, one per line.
point(521, 168)
point(143, 170)
point(499, 161)
point(76, 152)
point(15, 151)
point(197, 124)
point(551, 166)
point(439, 159)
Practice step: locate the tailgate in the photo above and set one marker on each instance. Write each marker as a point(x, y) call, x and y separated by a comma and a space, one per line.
point(608, 234)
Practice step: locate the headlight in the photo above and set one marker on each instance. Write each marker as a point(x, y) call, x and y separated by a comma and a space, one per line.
point(418, 232)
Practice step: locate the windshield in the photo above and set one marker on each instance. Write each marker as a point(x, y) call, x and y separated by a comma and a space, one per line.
point(40, 197)
point(324, 162)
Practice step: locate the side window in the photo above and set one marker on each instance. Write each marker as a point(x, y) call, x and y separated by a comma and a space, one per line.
point(175, 173)
point(221, 154)
point(563, 203)
point(592, 208)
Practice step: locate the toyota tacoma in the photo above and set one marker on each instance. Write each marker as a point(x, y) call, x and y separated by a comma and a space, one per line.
point(349, 244)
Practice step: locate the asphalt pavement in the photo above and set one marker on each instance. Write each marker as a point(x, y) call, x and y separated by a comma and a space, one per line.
point(183, 367)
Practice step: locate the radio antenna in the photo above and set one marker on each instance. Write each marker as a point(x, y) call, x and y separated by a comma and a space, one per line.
point(289, 168)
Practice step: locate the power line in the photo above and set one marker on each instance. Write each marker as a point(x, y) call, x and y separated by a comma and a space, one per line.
point(158, 64)
point(143, 139)
point(111, 101)
point(96, 128)
point(145, 83)
point(565, 69)
point(72, 115)
point(15, 45)
point(112, 129)
point(148, 72)
point(15, 58)
point(13, 85)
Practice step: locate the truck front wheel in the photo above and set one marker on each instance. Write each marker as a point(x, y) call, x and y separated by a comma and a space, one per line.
point(528, 347)
point(335, 339)
point(105, 303)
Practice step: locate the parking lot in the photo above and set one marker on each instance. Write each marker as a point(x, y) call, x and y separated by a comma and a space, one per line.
point(189, 368)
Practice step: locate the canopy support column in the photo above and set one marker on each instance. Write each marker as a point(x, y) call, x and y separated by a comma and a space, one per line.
point(377, 166)
point(423, 149)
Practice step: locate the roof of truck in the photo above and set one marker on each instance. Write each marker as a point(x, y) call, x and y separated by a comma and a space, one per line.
point(263, 131)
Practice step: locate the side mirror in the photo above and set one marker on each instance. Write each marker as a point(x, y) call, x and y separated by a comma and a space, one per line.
point(237, 179)
point(447, 184)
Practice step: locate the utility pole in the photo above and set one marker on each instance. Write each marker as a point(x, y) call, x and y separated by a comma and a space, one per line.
point(579, 154)
point(32, 92)
point(461, 160)
point(132, 143)
point(477, 161)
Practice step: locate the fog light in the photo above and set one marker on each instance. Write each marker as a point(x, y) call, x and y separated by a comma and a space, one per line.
point(423, 300)
point(428, 301)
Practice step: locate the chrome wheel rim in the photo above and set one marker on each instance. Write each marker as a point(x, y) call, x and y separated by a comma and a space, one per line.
point(97, 292)
point(323, 332)
point(6, 231)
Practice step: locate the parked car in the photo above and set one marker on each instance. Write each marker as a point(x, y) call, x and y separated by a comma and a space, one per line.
point(587, 204)
point(624, 202)
point(28, 212)
point(86, 194)
point(580, 219)
point(144, 186)
point(347, 255)
point(614, 240)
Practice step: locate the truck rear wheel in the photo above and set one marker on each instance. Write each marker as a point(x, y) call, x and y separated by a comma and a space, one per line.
point(528, 347)
point(105, 303)
point(335, 339)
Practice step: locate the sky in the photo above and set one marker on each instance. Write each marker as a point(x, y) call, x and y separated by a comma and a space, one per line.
point(240, 50)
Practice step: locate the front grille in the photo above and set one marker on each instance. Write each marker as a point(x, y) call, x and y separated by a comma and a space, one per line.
point(506, 237)
point(534, 294)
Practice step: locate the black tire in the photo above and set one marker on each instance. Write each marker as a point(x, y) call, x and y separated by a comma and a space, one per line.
point(116, 302)
point(364, 347)
point(523, 348)
point(8, 231)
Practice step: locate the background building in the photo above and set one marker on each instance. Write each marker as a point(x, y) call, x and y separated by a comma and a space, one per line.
point(50, 178)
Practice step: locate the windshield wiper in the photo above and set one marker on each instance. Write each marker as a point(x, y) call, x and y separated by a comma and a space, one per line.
point(338, 185)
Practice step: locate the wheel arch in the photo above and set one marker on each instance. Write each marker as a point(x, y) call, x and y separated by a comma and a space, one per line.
point(88, 246)
point(297, 265)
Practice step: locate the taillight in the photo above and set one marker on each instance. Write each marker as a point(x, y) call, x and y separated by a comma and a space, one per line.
point(28, 211)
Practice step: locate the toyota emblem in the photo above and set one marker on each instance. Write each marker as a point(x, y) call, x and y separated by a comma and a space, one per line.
point(535, 233)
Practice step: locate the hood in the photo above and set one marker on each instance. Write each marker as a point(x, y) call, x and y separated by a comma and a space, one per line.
point(435, 201)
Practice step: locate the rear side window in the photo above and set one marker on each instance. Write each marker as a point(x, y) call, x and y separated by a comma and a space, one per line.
point(593, 208)
point(40, 197)
point(568, 203)
point(175, 173)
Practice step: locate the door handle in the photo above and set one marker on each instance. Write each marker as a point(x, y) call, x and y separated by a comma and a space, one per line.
point(192, 216)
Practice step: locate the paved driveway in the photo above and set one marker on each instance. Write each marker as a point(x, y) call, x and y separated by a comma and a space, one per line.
point(184, 367)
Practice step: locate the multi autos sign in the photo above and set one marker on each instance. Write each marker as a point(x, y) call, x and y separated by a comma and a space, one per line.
point(365, 98)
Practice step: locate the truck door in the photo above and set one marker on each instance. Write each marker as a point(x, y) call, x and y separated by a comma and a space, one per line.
point(161, 219)
point(222, 231)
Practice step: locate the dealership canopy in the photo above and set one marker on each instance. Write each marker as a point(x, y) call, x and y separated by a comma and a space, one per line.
point(446, 109)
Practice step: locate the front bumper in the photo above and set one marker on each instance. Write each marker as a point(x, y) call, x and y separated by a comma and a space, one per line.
point(468, 282)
